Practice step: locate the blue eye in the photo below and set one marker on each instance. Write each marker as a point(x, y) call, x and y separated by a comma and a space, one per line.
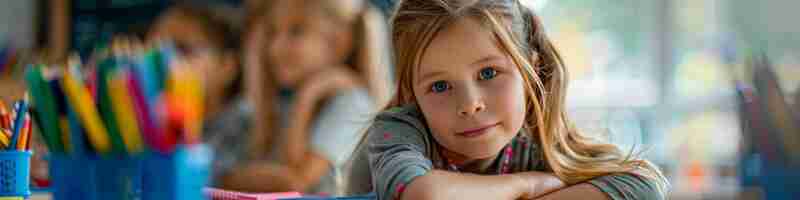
point(440, 86)
point(487, 73)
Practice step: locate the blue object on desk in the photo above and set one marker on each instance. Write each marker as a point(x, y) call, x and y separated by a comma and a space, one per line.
point(15, 173)
point(71, 177)
point(118, 177)
point(95, 178)
point(181, 175)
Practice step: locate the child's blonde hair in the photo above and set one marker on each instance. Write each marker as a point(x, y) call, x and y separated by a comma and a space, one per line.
point(368, 58)
point(570, 155)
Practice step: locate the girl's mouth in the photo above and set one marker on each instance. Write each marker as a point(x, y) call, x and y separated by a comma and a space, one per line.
point(475, 132)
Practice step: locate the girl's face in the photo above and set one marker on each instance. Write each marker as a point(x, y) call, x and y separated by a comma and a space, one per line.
point(470, 91)
point(302, 41)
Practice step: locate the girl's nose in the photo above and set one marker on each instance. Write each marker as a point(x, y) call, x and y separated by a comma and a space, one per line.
point(472, 104)
point(472, 109)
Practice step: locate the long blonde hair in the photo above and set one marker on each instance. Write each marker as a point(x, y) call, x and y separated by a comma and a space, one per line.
point(367, 59)
point(570, 155)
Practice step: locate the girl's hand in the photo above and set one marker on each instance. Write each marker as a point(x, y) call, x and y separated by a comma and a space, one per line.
point(325, 83)
point(310, 92)
point(537, 184)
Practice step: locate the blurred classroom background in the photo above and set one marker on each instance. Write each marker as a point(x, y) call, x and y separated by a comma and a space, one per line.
point(707, 89)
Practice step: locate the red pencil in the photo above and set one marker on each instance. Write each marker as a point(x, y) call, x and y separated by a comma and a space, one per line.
point(4, 120)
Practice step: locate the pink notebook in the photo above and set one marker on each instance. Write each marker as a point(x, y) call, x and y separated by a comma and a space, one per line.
point(220, 194)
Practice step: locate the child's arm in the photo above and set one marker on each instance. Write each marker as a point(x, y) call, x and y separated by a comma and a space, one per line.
point(579, 191)
point(618, 186)
point(397, 149)
point(439, 184)
point(261, 176)
point(314, 90)
point(300, 167)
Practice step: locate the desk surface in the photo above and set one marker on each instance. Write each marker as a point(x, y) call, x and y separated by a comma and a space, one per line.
point(41, 196)
point(47, 196)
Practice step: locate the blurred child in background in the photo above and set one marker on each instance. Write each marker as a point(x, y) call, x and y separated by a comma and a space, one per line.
point(314, 73)
point(206, 38)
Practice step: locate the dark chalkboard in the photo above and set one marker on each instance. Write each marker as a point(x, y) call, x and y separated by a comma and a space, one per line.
point(93, 22)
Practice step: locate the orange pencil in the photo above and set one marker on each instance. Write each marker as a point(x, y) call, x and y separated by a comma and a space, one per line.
point(23, 137)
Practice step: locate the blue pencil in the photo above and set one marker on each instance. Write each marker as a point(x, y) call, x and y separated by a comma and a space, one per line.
point(18, 123)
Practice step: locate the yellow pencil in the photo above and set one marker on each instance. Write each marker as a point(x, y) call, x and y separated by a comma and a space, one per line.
point(123, 110)
point(186, 87)
point(78, 97)
point(4, 140)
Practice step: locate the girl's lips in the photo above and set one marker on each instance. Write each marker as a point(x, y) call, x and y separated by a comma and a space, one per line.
point(475, 132)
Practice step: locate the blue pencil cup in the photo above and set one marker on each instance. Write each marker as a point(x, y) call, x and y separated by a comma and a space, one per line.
point(117, 177)
point(15, 173)
point(181, 175)
point(71, 177)
point(152, 176)
point(95, 178)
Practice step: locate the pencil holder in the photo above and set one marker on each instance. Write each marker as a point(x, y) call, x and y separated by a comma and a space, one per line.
point(15, 173)
point(181, 175)
point(71, 177)
point(95, 178)
point(117, 177)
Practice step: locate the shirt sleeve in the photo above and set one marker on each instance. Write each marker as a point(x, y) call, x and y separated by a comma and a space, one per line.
point(224, 135)
point(340, 123)
point(622, 186)
point(396, 152)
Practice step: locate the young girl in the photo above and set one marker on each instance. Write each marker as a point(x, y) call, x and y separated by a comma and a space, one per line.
point(479, 114)
point(206, 38)
point(313, 76)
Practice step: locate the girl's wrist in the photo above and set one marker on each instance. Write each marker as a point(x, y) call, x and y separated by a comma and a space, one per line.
point(537, 184)
point(521, 186)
